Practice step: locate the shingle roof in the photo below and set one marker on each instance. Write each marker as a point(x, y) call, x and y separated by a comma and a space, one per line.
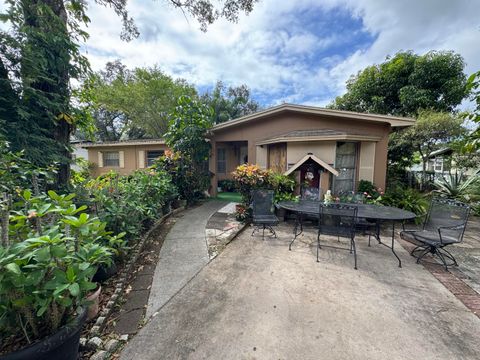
point(125, 143)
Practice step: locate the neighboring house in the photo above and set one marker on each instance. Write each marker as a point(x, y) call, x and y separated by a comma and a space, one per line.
point(124, 156)
point(338, 147)
point(441, 164)
point(79, 152)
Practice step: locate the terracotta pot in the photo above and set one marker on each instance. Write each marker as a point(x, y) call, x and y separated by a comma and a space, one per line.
point(94, 303)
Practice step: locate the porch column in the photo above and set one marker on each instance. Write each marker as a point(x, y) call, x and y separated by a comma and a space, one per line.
point(213, 169)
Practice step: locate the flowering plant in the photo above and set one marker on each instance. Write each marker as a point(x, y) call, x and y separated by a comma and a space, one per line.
point(249, 177)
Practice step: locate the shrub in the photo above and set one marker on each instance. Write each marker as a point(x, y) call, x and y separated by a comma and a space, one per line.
point(227, 185)
point(407, 199)
point(130, 203)
point(191, 183)
point(46, 265)
point(457, 186)
point(249, 177)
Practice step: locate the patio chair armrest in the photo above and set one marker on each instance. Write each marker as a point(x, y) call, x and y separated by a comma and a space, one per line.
point(453, 227)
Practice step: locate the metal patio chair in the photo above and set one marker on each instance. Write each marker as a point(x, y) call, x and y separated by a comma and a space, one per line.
point(444, 225)
point(263, 216)
point(338, 220)
point(365, 226)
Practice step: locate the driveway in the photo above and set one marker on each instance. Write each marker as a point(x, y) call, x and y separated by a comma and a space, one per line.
point(257, 300)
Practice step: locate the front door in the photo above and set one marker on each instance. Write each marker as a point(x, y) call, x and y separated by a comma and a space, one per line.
point(277, 157)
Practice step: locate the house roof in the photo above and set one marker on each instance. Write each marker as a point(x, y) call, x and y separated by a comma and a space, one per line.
point(124, 143)
point(394, 121)
point(317, 134)
point(314, 158)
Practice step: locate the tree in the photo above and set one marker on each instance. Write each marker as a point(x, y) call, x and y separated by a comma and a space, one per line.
point(133, 103)
point(230, 103)
point(432, 131)
point(187, 131)
point(407, 83)
point(41, 54)
point(473, 86)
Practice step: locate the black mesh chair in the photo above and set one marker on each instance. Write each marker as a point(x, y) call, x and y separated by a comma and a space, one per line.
point(338, 220)
point(368, 227)
point(263, 217)
point(444, 225)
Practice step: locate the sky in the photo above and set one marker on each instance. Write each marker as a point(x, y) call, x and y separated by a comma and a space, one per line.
point(296, 51)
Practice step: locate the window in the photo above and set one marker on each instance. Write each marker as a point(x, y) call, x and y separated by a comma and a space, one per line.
point(345, 162)
point(111, 158)
point(153, 155)
point(221, 161)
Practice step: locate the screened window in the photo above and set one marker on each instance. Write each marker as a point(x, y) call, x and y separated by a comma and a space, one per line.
point(153, 155)
point(111, 158)
point(345, 162)
point(221, 161)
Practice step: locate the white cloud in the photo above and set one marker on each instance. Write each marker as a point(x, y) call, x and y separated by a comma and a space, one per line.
point(274, 51)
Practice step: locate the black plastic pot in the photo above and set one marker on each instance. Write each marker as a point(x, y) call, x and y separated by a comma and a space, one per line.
point(63, 345)
point(104, 273)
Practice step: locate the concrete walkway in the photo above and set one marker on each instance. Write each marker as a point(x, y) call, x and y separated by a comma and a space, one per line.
point(183, 254)
point(257, 300)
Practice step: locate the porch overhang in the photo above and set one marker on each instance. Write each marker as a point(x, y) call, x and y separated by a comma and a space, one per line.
point(317, 135)
point(315, 159)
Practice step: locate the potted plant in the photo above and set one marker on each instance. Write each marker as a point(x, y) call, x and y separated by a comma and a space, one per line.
point(46, 268)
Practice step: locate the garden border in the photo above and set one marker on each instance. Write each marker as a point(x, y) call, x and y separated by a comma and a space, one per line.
point(94, 341)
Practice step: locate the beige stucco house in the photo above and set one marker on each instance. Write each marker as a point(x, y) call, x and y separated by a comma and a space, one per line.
point(123, 157)
point(338, 147)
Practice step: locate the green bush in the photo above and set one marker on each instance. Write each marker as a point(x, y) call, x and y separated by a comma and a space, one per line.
point(131, 203)
point(227, 185)
point(52, 251)
point(191, 182)
point(407, 199)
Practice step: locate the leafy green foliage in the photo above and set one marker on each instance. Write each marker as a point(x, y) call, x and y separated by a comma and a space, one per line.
point(46, 272)
point(407, 83)
point(188, 164)
point(230, 103)
point(457, 186)
point(130, 203)
point(473, 86)
point(249, 177)
point(431, 131)
point(407, 199)
point(133, 103)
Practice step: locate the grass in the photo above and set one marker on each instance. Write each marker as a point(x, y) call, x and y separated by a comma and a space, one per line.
point(229, 196)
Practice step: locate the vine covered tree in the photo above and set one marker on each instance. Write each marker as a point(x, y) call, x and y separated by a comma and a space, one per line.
point(40, 55)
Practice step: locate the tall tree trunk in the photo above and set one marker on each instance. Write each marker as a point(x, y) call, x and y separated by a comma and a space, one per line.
point(52, 86)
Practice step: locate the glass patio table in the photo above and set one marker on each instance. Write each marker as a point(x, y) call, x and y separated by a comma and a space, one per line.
point(375, 213)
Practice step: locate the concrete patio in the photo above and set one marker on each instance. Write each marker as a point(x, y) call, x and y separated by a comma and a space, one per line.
point(257, 300)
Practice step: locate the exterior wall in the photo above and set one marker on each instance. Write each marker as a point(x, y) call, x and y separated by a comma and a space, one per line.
point(260, 129)
point(131, 154)
point(324, 150)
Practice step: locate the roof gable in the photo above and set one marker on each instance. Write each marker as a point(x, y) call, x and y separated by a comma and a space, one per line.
point(393, 121)
point(314, 158)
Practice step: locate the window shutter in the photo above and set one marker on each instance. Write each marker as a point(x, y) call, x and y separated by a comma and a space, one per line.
point(121, 159)
point(141, 159)
point(100, 159)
